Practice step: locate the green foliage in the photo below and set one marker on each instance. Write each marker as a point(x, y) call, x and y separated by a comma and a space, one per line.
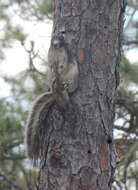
point(17, 34)
point(132, 4)
point(11, 135)
point(11, 138)
point(45, 7)
point(129, 71)
point(13, 171)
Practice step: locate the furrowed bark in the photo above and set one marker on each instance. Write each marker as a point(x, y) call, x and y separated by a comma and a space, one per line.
point(79, 151)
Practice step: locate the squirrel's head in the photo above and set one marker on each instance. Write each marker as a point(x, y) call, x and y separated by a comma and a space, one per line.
point(58, 40)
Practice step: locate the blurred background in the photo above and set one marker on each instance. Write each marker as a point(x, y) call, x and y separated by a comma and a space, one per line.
point(25, 30)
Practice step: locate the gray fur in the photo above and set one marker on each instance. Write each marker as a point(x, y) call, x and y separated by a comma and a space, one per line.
point(34, 121)
point(64, 80)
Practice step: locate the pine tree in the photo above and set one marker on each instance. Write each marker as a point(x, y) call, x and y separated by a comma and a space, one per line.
point(78, 144)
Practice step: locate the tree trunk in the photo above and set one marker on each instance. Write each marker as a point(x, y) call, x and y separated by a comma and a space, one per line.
point(79, 146)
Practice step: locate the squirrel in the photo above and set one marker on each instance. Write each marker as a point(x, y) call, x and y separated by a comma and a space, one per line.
point(64, 81)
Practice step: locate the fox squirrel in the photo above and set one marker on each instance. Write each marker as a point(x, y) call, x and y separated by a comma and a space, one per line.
point(64, 79)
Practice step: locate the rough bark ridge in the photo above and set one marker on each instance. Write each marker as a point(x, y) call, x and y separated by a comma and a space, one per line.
point(78, 148)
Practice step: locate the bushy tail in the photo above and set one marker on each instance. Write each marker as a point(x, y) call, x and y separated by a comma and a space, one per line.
point(34, 126)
